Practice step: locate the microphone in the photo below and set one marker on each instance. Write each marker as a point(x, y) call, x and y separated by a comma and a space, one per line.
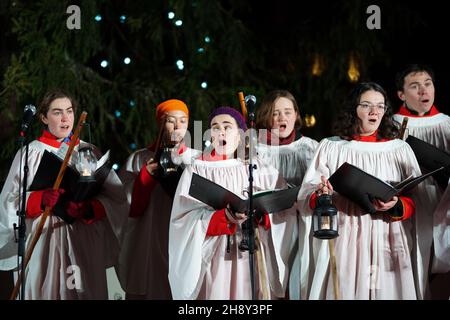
point(29, 112)
point(250, 102)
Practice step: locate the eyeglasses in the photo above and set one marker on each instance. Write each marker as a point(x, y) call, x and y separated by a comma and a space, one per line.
point(366, 107)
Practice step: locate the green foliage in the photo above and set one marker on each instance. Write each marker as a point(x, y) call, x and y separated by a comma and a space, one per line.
point(43, 53)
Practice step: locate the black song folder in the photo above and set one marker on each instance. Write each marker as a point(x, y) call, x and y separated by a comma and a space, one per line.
point(431, 158)
point(362, 187)
point(76, 189)
point(218, 197)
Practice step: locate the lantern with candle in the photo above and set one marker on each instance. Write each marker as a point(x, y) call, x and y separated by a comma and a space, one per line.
point(325, 218)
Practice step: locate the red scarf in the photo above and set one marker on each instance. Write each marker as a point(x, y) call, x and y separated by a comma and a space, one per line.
point(282, 141)
point(371, 138)
point(404, 111)
point(51, 140)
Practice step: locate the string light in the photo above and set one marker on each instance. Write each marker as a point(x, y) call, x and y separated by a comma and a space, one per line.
point(123, 18)
point(180, 64)
point(127, 60)
point(104, 63)
point(200, 50)
point(207, 39)
point(98, 18)
point(171, 15)
point(115, 166)
point(179, 23)
point(204, 85)
point(117, 113)
point(133, 146)
point(132, 103)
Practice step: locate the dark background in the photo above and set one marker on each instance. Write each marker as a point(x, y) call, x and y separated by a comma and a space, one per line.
point(255, 47)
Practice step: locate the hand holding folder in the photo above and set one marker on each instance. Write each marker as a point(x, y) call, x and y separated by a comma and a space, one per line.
point(218, 197)
point(76, 190)
point(362, 187)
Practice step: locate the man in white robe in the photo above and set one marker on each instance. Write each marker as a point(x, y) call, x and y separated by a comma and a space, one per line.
point(415, 87)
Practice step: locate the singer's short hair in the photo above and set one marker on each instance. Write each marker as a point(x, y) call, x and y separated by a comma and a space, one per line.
point(52, 95)
point(411, 69)
point(264, 113)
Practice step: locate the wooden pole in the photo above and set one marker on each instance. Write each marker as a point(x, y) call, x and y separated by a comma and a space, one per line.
point(262, 267)
point(243, 106)
point(334, 269)
point(403, 128)
point(44, 216)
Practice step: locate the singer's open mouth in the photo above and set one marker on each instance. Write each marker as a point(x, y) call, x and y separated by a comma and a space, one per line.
point(222, 143)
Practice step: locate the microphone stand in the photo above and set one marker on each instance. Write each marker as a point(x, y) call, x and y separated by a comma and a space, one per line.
point(22, 227)
point(249, 225)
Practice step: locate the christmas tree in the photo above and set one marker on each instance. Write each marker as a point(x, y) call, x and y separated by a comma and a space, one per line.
point(121, 58)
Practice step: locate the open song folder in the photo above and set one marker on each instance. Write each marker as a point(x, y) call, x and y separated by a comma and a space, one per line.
point(218, 197)
point(362, 187)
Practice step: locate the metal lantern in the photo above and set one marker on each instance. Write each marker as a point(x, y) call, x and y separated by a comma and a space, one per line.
point(86, 163)
point(325, 218)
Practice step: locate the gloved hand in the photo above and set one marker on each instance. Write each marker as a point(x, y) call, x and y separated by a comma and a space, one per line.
point(70, 211)
point(78, 209)
point(50, 197)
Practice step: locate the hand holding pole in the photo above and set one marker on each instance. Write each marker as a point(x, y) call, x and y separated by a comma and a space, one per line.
point(44, 216)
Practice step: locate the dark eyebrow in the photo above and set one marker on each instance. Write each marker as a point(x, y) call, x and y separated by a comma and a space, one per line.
point(366, 101)
point(417, 82)
point(61, 109)
point(224, 122)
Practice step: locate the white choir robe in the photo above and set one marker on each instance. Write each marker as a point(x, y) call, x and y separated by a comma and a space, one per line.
point(374, 255)
point(69, 260)
point(292, 161)
point(143, 264)
point(436, 131)
point(199, 266)
point(441, 234)
point(432, 129)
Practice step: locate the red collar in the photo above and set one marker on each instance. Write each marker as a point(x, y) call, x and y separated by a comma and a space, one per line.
point(283, 141)
point(51, 140)
point(212, 156)
point(371, 138)
point(404, 111)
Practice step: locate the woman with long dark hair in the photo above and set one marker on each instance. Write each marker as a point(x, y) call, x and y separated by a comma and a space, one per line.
point(373, 251)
